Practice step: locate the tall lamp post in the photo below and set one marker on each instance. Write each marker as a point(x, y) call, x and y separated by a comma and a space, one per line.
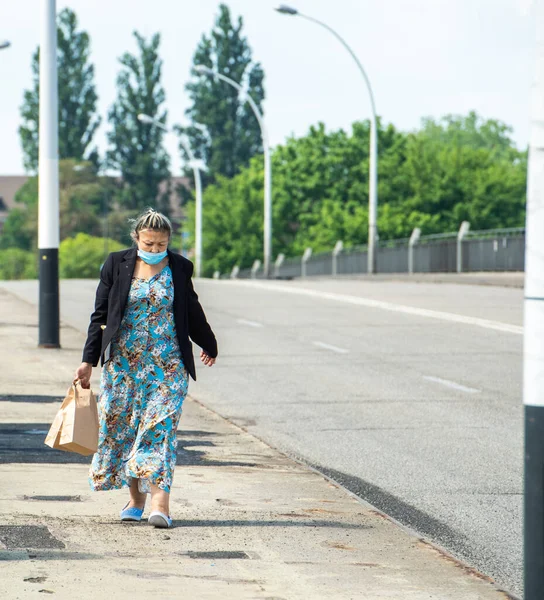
point(267, 165)
point(198, 189)
point(48, 206)
point(373, 153)
point(533, 343)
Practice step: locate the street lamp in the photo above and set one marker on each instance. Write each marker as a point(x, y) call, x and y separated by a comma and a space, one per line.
point(198, 189)
point(373, 175)
point(267, 164)
point(4, 44)
point(48, 170)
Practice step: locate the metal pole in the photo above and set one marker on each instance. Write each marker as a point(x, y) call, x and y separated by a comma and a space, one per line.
point(105, 226)
point(533, 346)
point(461, 235)
point(414, 239)
point(48, 205)
point(267, 227)
point(373, 149)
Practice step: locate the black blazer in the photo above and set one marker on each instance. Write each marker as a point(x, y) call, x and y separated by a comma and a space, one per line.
point(111, 300)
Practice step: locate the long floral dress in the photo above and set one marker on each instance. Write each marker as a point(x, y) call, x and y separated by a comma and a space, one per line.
point(143, 387)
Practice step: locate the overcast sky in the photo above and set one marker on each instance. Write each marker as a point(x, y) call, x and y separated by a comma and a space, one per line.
point(423, 58)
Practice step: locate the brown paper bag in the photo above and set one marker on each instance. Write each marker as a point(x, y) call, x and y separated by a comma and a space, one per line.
point(75, 427)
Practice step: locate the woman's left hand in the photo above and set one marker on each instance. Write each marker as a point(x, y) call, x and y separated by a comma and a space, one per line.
point(207, 359)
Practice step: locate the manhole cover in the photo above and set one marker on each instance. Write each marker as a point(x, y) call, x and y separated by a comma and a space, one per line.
point(28, 536)
point(54, 498)
point(218, 555)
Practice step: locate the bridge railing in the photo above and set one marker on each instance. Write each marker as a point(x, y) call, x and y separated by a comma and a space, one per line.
point(461, 251)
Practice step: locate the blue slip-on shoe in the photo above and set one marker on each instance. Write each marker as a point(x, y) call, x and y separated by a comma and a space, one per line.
point(159, 520)
point(131, 514)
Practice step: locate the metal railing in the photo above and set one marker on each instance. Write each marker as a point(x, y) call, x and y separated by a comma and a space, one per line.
point(461, 251)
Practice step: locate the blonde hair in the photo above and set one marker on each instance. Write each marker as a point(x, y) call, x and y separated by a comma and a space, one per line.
point(152, 220)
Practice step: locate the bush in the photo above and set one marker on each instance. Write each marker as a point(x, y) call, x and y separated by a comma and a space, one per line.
point(18, 264)
point(82, 256)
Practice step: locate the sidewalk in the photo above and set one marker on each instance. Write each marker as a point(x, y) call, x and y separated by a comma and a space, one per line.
point(513, 279)
point(250, 523)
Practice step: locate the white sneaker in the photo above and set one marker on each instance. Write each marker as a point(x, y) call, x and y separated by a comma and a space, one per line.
point(159, 520)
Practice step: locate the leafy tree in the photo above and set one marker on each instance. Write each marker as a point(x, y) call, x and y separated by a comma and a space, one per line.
point(460, 168)
point(18, 264)
point(82, 256)
point(224, 131)
point(78, 120)
point(21, 226)
point(137, 148)
point(85, 202)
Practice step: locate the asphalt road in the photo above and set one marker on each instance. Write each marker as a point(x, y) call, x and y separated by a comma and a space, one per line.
point(409, 394)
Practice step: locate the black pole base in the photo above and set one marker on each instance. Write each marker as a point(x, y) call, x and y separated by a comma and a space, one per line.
point(534, 503)
point(49, 318)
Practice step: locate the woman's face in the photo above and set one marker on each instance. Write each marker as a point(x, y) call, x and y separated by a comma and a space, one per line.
point(152, 241)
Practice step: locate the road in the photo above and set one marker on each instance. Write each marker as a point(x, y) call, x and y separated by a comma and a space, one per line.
point(409, 394)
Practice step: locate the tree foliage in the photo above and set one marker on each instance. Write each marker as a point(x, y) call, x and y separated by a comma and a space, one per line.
point(78, 120)
point(224, 131)
point(81, 257)
point(137, 150)
point(18, 264)
point(85, 201)
point(455, 169)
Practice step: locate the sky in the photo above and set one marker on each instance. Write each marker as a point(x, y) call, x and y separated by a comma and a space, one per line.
point(424, 58)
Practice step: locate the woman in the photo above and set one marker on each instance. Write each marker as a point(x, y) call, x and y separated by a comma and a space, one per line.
point(145, 311)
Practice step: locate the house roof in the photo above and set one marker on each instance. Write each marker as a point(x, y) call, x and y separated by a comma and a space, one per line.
point(9, 186)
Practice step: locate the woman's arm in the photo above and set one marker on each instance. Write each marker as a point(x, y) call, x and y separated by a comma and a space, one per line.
point(93, 345)
point(199, 328)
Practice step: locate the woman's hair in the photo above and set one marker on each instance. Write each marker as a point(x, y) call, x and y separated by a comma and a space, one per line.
point(150, 219)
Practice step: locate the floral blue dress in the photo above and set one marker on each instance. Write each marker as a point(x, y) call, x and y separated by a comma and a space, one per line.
point(142, 391)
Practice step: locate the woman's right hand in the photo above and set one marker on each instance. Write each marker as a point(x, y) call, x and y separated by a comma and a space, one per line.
point(83, 373)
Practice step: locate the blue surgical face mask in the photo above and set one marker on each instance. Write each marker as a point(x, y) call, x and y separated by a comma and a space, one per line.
point(152, 258)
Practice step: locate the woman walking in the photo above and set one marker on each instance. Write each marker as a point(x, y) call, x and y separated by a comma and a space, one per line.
point(145, 311)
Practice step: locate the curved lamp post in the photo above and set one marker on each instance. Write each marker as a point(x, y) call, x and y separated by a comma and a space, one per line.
point(373, 175)
point(198, 189)
point(4, 44)
point(267, 165)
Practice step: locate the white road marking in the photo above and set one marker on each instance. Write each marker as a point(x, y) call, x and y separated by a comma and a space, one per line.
point(250, 323)
point(452, 384)
point(329, 347)
point(399, 308)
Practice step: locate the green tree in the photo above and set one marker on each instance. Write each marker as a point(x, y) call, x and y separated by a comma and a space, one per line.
point(81, 257)
point(223, 131)
point(460, 168)
point(18, 264)
point(78, 120)
point(85, 203)
point(137, 148)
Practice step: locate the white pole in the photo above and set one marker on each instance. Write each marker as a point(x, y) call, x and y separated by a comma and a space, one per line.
point(198, 222)
point(373, 149)
point(267, 226)
point(48, 205)
point(533, 346)
point(461, 235)
point(414, 239)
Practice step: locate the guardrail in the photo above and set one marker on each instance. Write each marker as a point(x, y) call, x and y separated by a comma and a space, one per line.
point(461, 251)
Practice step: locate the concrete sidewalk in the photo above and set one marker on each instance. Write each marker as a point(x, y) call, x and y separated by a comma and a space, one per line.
point(511, 279)
point(250, 523)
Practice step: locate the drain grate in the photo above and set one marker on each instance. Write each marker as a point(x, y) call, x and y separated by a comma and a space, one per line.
point(15, 537)
point(54, 498)
point(218, 555)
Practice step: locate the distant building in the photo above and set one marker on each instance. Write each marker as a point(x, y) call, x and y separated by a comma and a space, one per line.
point(11, 184)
